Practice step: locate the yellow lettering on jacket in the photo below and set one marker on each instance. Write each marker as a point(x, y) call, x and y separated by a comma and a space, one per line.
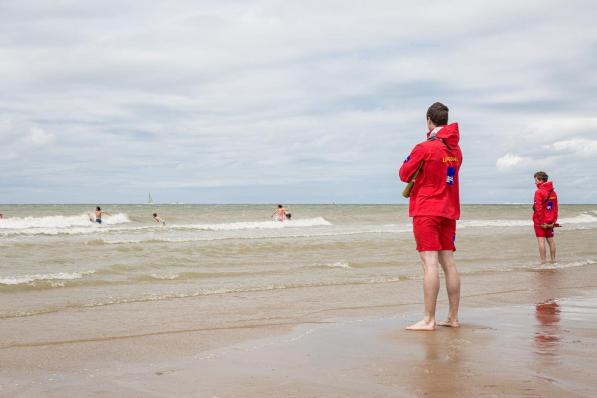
point(450, 159)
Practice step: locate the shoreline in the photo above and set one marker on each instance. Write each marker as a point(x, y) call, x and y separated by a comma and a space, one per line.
point(180, 338)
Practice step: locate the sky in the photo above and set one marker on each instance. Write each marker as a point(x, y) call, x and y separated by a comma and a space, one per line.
point(291, 101)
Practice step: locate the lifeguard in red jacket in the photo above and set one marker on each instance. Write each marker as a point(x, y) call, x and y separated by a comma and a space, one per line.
point(435, 207)
point(545, 215)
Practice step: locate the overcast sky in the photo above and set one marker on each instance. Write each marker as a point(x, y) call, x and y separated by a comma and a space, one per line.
point(291, 102)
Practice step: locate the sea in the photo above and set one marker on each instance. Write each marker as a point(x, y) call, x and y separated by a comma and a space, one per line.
point(54, 258)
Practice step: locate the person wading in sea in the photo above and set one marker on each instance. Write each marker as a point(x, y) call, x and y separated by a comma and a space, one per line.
point(99, 213)
point(545, 215)
point(280, 213)
point(435, 207)
point(158, 219)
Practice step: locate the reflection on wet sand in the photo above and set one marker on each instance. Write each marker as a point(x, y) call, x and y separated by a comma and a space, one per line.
point(547, 314)
point(547, 330)
point(439, 372)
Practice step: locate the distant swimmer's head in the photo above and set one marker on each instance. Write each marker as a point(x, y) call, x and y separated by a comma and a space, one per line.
point(540, 177)
point(437, 115)
point(97, 208)
point(155, 214)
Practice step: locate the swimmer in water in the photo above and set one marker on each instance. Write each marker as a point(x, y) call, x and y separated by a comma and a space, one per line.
point(99, 213)
point(280, 213)
point(158, 219)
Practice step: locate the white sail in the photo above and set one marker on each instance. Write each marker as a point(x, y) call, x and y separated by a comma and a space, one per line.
point(149, 200)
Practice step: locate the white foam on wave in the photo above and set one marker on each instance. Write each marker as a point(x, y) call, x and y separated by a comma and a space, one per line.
point(583, 218)
point(154, 239)
point(81, 224)
point(573, 264)
point(587, 217)
point(338, 264)
point(493, 223)
point(26, 279)
point(307, 222)
point(165, 276)
point(58, 222)
point(92, 228)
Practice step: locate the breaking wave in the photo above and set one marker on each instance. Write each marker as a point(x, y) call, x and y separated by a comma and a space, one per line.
point(58, 222)
point(30, 279)
point(307, 222)
point(583, 218)
point(82, 224)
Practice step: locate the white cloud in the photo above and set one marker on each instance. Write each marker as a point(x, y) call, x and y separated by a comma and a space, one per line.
point(38, 137)
point(510, 161)
point(578, 146)
point(207, 94)
point(552, 128)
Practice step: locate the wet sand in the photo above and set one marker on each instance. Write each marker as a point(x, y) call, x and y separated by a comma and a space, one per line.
point(529, 351)
point(530, 333)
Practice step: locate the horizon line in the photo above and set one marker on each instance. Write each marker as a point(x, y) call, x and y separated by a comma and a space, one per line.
point(267, 203)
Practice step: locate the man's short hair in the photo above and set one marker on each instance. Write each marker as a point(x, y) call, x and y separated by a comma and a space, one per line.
point(438, 114)
point(541, 176)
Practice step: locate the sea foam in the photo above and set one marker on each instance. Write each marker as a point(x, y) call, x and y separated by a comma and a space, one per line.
point(587, 217)
point(307, 222)
point(59, 222)
point(26, 279)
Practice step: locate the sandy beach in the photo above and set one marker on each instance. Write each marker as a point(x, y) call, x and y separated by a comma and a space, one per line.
point(254, 199)
point(528, 333)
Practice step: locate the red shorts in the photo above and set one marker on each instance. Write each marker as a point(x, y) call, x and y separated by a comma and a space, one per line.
point(543, 232)
point(434, 233)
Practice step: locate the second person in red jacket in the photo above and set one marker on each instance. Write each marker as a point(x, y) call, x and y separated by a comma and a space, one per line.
point(435, 207)
point(545, 215)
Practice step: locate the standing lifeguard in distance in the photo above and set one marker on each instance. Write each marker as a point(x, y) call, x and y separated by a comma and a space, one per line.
point(545, 215)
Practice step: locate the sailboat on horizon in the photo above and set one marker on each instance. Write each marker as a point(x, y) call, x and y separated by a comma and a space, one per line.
point(150, 199)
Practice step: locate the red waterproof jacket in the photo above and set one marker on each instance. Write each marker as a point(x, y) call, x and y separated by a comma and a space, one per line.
point(545, 206)
point(435, 192)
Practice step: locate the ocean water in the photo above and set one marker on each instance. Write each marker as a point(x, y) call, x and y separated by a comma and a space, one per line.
point(53, 258)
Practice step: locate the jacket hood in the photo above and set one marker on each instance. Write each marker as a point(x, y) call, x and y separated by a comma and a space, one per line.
point(449, 134)
point(548, 186)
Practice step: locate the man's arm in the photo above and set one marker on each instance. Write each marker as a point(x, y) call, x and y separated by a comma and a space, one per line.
point(538, 206)
point(412, 163)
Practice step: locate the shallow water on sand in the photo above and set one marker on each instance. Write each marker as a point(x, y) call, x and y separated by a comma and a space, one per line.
point(54, 258)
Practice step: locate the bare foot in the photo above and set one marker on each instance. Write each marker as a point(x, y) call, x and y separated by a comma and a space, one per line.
point(450, 323)
point(422, 325)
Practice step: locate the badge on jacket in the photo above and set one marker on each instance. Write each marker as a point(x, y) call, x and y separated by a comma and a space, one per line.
point(450, 176)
